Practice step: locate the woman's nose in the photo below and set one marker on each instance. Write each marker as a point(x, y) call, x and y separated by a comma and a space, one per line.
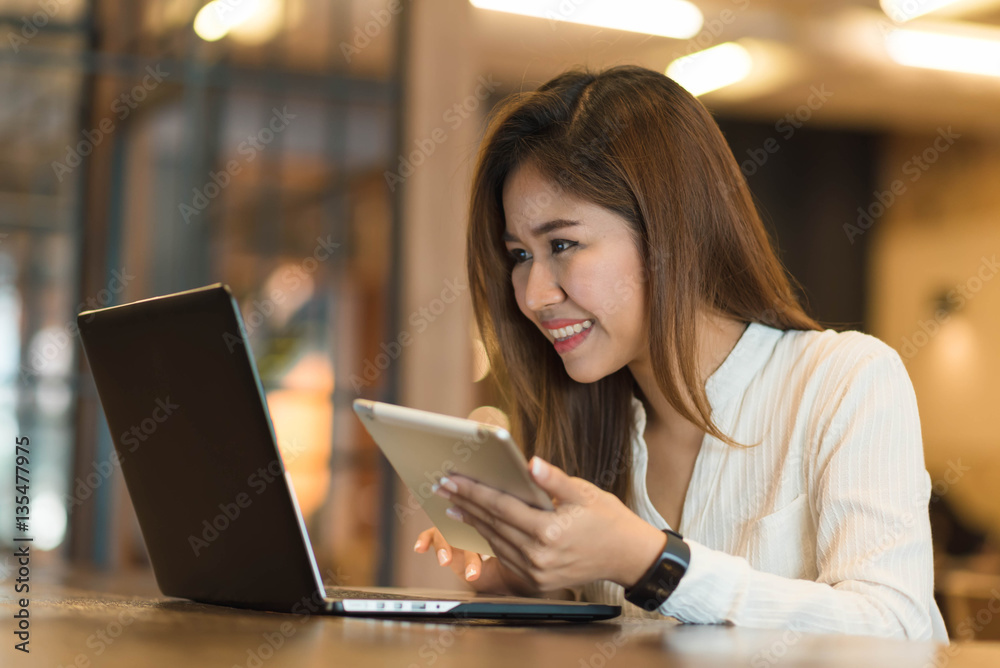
point(542, 289)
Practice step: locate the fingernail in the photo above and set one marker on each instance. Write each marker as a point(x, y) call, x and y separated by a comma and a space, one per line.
point(449, 484)
point(437, 489)
point(416, 545)
point(454, 513)
point(470, 570)
point(442, 556)
point(538, 468)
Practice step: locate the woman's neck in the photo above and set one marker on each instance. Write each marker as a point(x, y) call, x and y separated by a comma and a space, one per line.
point(716, 336)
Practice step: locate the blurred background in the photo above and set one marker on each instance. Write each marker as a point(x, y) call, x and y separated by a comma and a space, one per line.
point(316, 154)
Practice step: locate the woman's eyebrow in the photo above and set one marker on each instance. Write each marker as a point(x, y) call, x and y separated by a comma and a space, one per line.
point(544, 228)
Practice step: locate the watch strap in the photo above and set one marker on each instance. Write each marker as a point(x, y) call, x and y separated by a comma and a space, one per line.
point(663, 576)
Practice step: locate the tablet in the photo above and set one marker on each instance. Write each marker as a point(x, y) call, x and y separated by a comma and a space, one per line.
point(424, 446)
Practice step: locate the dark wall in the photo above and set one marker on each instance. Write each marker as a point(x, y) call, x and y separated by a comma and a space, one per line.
point(808, 183)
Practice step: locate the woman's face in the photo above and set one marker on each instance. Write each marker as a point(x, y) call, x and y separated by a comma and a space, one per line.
point(576, 267)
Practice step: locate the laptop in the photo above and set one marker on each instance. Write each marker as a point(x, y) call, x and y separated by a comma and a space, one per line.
point(217, 510)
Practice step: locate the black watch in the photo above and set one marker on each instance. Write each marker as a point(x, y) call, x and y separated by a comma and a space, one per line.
point(662, 578)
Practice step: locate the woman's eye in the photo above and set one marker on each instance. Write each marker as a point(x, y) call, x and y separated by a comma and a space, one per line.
point(561, 242)
point(518, 259)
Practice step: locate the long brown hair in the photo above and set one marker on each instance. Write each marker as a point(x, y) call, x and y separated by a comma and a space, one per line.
point(635, 142)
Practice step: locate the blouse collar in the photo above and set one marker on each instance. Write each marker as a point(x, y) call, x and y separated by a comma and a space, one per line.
point(733, 377)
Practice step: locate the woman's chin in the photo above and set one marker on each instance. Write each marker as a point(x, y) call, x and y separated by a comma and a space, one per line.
point(584, 373)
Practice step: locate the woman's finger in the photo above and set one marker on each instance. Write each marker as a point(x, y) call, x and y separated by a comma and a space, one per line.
point(442, 550)
point(515, 570)
point(510, 533)
point(431, 539)
point(506, 551)
point(473, 566)
point(424, 540)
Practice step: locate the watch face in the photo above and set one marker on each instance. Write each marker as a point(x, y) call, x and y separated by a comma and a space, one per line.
point(662, 579)
point(666, 578)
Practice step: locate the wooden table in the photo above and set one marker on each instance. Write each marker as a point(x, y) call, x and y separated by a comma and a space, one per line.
point(93, 619)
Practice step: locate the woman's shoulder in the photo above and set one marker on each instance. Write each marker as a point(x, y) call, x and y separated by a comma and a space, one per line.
point(849, 344)
point(828, 353)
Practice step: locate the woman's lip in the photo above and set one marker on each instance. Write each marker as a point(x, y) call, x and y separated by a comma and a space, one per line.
point(561, 322)
point(571, 343)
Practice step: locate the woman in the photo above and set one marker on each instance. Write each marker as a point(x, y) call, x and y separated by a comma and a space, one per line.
point(714, 454)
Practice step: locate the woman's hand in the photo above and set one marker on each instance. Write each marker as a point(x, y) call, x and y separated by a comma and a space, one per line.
point(591, 534)
point(484, 573)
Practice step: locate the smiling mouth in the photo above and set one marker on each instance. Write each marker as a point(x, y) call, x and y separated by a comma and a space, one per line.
point(564, 333)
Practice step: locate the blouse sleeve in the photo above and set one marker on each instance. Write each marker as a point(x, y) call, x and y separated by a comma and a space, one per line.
point(869, 494)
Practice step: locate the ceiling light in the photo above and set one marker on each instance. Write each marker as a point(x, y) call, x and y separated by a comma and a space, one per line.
point(943, 51)
point(249, 21)
point(668, 18)
point(711, 69)
point(904, 10)
point(208, 25)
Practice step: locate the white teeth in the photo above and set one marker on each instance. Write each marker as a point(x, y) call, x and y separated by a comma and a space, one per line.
point(566, 332)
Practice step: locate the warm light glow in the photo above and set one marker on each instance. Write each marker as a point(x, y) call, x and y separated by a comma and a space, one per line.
point(249, 21)
point(491, 415)
point(711, 69)
point(904, 10)
point(262, 22)
point(208, 25)
point(956, 347)
point(302, 414)
point(942, 51)
point(668, 18)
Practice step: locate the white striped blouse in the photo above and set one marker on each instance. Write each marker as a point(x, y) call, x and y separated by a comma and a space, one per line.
point(824, 526)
